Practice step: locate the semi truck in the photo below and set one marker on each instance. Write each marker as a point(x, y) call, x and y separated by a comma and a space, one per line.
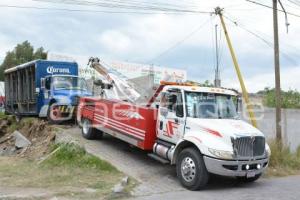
point(195, 128)
point(44, 88)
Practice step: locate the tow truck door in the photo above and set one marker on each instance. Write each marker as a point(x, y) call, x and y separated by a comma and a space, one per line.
point(171, 120)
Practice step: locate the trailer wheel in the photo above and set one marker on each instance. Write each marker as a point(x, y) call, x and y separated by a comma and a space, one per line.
point(89, 132)
point(191, 169)
point(249, 180)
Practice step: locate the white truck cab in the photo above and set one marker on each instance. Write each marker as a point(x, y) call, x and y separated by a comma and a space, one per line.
point(199, 130)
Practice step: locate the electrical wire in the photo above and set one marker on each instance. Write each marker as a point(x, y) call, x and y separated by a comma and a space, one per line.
point(297, 3)
point(267, 6)
point(113, 4)
point(82, 10)
point(268, 43)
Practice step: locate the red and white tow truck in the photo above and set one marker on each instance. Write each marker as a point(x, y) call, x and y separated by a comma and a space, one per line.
point(195, 128)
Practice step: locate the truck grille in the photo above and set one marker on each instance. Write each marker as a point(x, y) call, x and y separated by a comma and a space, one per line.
point(249, 146)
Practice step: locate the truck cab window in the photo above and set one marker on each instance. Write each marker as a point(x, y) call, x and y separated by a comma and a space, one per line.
point(48, 83)
point(210, 106)
point(172, 99)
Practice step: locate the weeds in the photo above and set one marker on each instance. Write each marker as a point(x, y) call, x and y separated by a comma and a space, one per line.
point(283, 161)
point(74, 156)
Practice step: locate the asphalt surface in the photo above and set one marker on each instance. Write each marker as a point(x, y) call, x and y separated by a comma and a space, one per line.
point(287, 188)
point(158, 181)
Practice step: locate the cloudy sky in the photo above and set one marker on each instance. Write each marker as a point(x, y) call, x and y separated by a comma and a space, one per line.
point(178, 40)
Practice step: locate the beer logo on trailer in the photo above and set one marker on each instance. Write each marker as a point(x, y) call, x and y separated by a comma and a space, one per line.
point(52, 70)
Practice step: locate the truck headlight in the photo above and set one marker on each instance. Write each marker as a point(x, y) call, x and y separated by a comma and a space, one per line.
point(268, 150)
point(221, 154)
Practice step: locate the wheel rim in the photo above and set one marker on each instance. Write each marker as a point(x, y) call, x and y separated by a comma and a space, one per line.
point(85, 127)
point(55, 113)
point(188, 169)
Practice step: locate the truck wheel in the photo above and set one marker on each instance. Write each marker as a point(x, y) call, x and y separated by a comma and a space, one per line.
point(191, 169)
point(249, 180)
point(54, 115)
point(89, 132)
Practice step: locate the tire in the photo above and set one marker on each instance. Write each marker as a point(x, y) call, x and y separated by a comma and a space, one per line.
point(249, 180)
point(191, 169)
point(50, 116)
point(88, 132)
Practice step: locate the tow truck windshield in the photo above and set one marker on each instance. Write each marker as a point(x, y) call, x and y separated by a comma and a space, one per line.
point(210, 106)
point(69, 83)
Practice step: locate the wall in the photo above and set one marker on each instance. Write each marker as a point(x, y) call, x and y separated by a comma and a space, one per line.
point(290, 125)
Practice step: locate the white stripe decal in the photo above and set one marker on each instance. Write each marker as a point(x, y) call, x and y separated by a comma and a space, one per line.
point(106, 118)
point(122, 130)
point(132, 127)
point(122, 127)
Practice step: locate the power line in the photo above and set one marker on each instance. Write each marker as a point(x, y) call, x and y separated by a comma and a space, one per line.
point(124, 5)
point(268, 43)
point(267, 6)
point(81, 10)
point(297, 3)
point(179, 42)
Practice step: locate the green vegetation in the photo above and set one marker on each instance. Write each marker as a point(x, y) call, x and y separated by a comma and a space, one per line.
point(22, 53)
point(74, 156)
point(289, 99)
point(206, 83)
point(283, 162)
point(68, 172)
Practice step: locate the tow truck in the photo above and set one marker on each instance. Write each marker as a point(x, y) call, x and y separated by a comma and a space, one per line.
point(195, 128)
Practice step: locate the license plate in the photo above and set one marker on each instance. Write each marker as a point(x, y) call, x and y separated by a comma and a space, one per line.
point(250, 174)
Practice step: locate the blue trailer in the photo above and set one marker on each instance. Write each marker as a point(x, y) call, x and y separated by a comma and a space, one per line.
point(44, 88)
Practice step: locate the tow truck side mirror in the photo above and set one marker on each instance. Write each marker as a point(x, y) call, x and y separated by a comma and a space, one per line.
point(239, 104)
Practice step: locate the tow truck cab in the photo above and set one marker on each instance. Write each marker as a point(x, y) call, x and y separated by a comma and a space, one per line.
point(200, 126)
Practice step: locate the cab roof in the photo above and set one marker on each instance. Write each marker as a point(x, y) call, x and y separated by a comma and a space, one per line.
point(202, 89)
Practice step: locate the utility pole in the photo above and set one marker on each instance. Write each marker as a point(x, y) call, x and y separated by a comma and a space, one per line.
point(218, 11)
point(277, 73)
point(217, 71)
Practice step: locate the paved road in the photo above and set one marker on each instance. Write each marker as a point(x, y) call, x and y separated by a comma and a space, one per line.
point(287, 188)
point(159, 181)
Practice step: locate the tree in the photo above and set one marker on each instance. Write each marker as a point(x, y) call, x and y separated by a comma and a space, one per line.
point(289, 99)
point(207, 84)
point(22, 53)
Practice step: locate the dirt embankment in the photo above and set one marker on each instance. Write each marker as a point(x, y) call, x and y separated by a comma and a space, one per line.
point(40, 134)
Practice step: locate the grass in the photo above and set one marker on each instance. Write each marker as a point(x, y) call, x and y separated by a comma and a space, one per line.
point(2, 115)
point(74, 156)
point(283, 162)
point(69, 172)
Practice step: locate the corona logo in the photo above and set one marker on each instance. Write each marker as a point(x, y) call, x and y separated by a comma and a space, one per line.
point(52, 70)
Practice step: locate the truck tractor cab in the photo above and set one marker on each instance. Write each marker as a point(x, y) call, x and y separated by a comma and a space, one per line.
point(61, 94)
point(200, 131)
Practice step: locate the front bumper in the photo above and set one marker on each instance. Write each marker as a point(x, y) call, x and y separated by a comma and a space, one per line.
point(235, 168)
